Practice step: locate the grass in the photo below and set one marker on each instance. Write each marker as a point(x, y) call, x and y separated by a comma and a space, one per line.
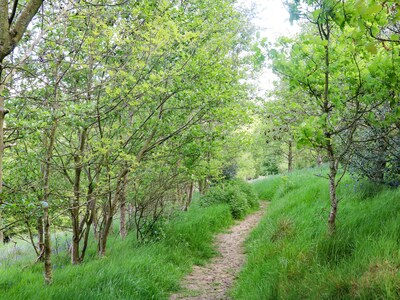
point(291, 256)
point(131, 270)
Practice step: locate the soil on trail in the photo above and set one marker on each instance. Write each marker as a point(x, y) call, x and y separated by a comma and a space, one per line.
point(213, 280)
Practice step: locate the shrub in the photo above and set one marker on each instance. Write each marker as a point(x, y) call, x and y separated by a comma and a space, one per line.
point(238, 194)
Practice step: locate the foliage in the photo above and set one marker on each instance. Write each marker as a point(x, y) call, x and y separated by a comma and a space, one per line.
point(290, 256)
point(337, 80)
point(120, 109)
point(238, 194)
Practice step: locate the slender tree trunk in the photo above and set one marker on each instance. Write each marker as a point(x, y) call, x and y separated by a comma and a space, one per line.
point(75, 248)
point(48, 277)
point(333, 163)
point(75, 205)
point(332, 193)
point(90, 215)
point(203, 185)
point(189, 196)
point(48, 273)
point(2, 114)
point(96, 226)
point(381, 161)
point(201, 188)
point(40, 231)
point(122, 210)
point(319, 160)
point(1, 232)
point(108, 212)
point(122, 223)
point(290, 156)
point(104, 236)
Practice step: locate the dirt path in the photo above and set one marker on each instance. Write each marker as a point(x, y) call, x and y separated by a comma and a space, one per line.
point(213, 280)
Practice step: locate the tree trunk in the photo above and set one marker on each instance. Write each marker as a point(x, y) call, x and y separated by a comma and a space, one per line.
point(104, 235)
point(109, 210)
point(75, 205)
point(333, 163)
point(40, 232)
point(333, 168)
point(1, 232)
point(203, 185)
point(89, 217)
point(319, 160)
point(48, 273)
point(201, 188)
point(75, 248)
point(290, 156)
point(333, 200)
point(96, 225)
point(122, 209)
point(2, 114)
point(122, 223)
point(49, 145)
point(189, 196)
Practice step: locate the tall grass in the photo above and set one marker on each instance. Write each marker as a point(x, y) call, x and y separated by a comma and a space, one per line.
point(291, 256)
point(131, 270)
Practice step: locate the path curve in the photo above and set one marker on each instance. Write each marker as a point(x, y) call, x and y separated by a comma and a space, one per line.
point(213, 280)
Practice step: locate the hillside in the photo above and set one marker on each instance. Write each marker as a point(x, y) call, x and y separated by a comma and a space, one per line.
point(291, 256)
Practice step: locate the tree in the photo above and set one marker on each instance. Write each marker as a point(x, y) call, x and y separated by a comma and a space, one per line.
point(332, 71)
point(14, 22)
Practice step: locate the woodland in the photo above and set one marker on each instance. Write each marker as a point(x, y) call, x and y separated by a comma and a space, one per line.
point(132, 132)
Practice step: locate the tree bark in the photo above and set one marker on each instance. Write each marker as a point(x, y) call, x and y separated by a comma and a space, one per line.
point(108, 213)
point(89, 217)
point(75, 205)
point(48, 273)
point(290, 156)
point(189, 196)
point(122, 209)
point(332, 191)
point(104, 236)
point(319, 160)
point(2, 114)
point(333, 163)
point(40, 231)
point(201, 188)
point(49, 144)
point(1, 232)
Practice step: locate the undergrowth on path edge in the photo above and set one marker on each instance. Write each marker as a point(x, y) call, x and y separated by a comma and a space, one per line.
point(130, 270)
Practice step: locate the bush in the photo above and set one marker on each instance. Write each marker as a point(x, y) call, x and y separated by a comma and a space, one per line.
point(238, 194)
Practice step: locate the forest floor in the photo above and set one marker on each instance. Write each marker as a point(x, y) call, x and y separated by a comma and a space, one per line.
point(214, 280)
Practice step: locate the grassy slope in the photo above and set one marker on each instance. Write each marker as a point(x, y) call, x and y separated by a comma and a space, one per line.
point(129, 271)
point(290, 255)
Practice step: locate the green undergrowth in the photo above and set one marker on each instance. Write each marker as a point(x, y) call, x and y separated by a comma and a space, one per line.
point(291, 256)
point(239, 195)
point(130, 270)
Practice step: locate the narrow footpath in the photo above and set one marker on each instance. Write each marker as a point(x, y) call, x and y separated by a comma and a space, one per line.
point(213, 280)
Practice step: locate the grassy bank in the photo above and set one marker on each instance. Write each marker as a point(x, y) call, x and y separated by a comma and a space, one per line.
point(130, 271)
point(290, 255)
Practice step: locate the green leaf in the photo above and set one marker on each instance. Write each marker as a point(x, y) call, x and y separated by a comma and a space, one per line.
point(371, 47)
point(374, 9)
